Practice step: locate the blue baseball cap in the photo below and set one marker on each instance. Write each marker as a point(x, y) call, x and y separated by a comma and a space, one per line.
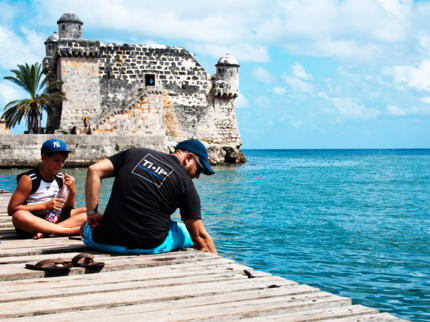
point(53, 145)
point(196, 147)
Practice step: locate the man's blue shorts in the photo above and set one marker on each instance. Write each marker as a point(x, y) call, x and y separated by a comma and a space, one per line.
point(178, 238)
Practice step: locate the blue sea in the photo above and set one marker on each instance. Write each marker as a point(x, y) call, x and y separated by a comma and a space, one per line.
point(355, 223)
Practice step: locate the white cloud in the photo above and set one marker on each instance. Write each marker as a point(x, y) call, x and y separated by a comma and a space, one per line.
point(316, 127)
point(262, 101)
point(279, 91)
point(28, 48)
point(426, 99)
point(401, 111)
point(241, 101)
point(395, 110)
point(9, 92)
point(297, 80)
point(262, 75)
point(356, 30)
point(299, 71)
point(411, 76)
point(297, 85)
point(242, 52)
point(349, 108)
point(296, 124)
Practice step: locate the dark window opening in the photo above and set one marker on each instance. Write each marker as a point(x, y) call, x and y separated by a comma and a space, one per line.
point(79, 27)
point(64, 27)
point(108, 75)
point(149, 80)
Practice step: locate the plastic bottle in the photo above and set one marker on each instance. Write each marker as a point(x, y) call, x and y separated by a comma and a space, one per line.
point(54, 214)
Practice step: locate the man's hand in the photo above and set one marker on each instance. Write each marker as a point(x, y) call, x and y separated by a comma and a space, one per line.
point(94, 220)
point(201, 238)
point(69, 181)
point(56, 204)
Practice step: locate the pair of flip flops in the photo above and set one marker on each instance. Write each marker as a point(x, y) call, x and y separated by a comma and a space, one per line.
point(81, 260)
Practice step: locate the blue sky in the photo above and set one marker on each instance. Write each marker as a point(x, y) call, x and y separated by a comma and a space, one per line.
point(314, 74)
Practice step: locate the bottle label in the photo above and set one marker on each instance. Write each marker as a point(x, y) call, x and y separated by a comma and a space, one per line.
point(52, 217)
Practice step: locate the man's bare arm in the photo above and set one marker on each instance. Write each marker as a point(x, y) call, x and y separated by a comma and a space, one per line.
point(95, 174)
point(201, 238)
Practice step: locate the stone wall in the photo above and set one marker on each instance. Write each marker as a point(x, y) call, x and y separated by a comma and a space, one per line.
point(3, 129)
point(23, 150)
point(112, 90)
point(82, 87)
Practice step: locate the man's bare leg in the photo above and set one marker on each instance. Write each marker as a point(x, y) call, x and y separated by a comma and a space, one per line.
point(26, 221)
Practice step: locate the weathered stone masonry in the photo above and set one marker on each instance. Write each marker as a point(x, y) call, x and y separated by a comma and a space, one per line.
point(143, 90)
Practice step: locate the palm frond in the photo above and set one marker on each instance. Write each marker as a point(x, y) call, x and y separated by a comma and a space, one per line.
point(44, 81)
point(16, 81)
point(8, 105)
point(30, 79)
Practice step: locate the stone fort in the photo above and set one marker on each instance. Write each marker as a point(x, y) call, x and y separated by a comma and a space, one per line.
point(142, 90)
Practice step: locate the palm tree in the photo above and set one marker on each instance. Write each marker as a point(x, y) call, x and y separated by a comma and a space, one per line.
point(42, 97)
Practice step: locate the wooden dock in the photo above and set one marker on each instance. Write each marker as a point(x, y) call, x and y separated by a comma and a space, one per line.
point(178, 286)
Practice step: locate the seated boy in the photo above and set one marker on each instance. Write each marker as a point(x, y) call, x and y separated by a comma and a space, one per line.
point(36, 195)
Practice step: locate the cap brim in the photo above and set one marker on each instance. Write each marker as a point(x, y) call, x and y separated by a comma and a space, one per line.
point(56, 151)
point(207, 168)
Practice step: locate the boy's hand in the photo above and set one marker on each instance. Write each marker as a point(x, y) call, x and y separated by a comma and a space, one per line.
point(56, 204)
point(69, 181)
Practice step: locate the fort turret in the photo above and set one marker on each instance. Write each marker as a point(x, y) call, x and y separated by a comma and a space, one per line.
point(227, 77)
point(70, 26)
point(50, 43)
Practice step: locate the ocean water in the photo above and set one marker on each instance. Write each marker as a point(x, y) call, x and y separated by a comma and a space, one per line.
point(355, 223)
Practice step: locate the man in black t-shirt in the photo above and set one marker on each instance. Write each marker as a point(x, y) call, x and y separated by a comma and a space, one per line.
point(149, 186)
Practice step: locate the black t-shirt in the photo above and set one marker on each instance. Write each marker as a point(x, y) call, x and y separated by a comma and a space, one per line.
point(149, 186)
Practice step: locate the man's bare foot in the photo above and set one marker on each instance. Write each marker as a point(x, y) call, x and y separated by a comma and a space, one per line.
point(39, 235)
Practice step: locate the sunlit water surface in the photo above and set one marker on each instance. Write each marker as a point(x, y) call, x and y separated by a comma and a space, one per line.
point(354, 223)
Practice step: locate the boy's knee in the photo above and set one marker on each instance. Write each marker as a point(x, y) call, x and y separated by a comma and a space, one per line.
point(20, 216)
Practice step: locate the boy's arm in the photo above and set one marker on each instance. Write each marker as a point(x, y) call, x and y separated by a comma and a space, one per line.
point(69, 181)
point(21, 193)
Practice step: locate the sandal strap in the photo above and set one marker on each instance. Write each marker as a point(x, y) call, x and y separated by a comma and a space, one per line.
point(88, 258)
point(51, 262)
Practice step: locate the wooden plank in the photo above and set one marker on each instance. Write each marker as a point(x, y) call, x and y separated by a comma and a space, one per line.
point(196, 269)
point(6, 225)
point(43, 242)
point(44, 250)
point(216, 266)
point(134, 297)
point(121, 286)
point(9, 236)
point(182, 303)
point(6, 230)
point(237, 310)
point(200, 302)
point(167, 293)
point(18, 271)
point(384, 317)
point(356, 311)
